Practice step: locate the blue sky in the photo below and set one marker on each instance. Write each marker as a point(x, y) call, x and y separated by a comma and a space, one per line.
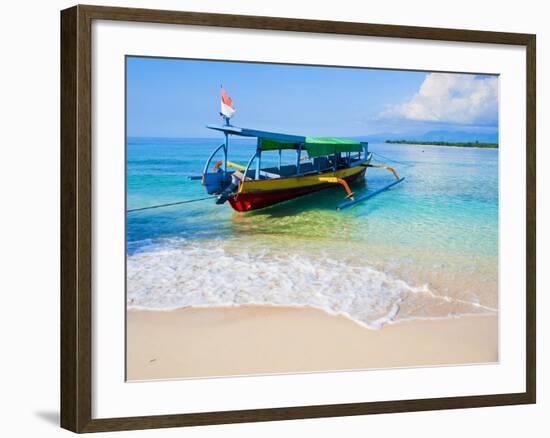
point(177, 98)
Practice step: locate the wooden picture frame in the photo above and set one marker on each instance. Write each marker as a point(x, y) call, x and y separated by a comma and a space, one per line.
point(76, 217)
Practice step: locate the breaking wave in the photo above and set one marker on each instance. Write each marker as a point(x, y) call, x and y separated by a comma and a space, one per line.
point(184, 275)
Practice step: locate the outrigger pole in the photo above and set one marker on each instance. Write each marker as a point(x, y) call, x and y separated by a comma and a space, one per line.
point(353, 200)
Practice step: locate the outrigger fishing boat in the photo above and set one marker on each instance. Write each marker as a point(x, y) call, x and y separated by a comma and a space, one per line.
point(320, 163)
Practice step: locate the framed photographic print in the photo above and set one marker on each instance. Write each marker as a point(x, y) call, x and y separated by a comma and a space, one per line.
point(268, 218)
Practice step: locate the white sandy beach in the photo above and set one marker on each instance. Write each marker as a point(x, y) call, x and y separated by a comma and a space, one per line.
point(253, 339)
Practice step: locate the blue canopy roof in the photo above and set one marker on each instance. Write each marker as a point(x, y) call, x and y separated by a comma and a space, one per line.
point(245, 132)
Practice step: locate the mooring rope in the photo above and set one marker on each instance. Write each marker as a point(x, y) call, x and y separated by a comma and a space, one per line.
point(392, 160)
point(169, 205)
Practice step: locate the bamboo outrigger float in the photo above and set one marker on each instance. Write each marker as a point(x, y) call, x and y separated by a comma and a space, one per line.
point(320, 163)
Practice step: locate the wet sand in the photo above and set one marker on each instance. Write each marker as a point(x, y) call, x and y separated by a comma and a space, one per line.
point(254, 339)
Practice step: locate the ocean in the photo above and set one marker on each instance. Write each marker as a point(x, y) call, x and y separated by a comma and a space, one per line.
point(426, 248)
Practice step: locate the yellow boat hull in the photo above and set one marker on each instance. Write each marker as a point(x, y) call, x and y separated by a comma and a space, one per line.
point(256, 194)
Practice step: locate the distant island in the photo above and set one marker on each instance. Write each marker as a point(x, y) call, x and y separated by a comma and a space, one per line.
point(469, 144)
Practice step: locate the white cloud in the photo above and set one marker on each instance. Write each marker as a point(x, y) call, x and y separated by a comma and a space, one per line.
point(451, 98)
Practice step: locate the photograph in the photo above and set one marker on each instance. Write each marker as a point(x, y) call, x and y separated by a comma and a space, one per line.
point(287, 218)
point(247, 219)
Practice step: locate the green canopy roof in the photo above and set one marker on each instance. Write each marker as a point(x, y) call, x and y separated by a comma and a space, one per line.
point(315, 146)
point(268, 144)
point(319, 146)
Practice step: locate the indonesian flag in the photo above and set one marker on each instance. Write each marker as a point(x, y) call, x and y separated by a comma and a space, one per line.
point(227, 108)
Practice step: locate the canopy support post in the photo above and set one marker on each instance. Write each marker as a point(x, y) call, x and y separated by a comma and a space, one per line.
point(298, 154)
point(259, 162)
point(225, 148)
point(247, 168)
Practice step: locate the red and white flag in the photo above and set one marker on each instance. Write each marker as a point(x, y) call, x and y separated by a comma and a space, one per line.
point(227, 108)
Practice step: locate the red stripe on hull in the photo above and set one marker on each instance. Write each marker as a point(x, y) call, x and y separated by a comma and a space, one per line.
point(253, 201)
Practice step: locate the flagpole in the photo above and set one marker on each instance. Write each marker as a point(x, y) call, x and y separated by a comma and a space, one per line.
point(225, 118)
point(225, 152)
point(226, 147)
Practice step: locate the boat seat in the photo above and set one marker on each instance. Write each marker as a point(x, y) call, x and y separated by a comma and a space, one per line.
point(263, 175)
point(240, 176)
point(269, 175)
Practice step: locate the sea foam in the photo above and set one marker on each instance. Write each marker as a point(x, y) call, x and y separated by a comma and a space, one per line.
point(209, 275)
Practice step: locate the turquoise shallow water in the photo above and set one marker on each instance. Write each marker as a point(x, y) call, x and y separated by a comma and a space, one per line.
point(425, 248)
